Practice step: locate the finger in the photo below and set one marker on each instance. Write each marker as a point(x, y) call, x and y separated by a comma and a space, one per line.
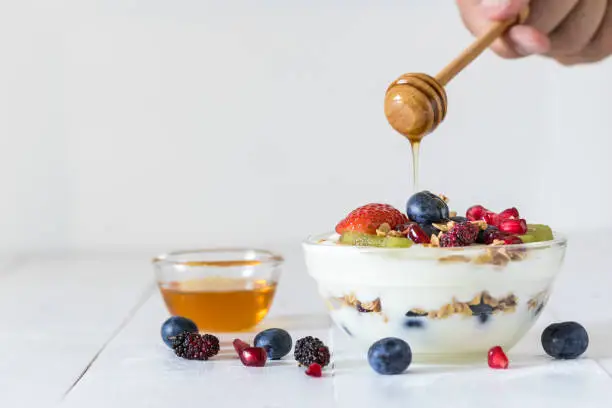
point(475, 18)
point(578, 28)
point(546, 15)
point(526, 40)
point(502, 9)
point(599, 48)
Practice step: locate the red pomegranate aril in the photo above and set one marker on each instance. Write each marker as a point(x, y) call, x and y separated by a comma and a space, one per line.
point(491, 218)
point(518, 227)
point(240, 345)
point(417, 235)
point(475, 212)
point(497, 358)
point(314, 370)
point(508, 214)
point(253, 356)
point(512, 240)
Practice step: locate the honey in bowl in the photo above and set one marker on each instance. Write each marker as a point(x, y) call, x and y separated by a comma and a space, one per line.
point(220, 304)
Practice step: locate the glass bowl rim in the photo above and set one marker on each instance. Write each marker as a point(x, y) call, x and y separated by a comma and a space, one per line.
point(560, 240)
point(268, 257)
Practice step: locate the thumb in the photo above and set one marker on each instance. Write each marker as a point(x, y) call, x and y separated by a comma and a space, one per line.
point(502, 9)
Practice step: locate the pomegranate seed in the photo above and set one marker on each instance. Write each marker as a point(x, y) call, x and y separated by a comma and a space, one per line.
point(497, 358)
point(417, 235)
point(475, 212)
point(314, 370)
point(508, 214)
point(253, 356)
point(491, 218)
point(518, 227)
point(511, 239)
point(240, 345)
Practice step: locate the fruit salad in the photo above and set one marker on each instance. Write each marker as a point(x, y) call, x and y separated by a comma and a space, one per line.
point(429, 222)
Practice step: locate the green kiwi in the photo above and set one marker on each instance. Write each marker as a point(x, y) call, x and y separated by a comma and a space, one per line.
point(361, 239)
point(541, 232)
point(397, 242)
point(527, 238)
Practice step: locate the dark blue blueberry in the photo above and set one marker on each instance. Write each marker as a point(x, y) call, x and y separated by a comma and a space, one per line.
point(484, 235)
point(483, 318)
point(458, 219)
point(482, 311)
point(414, 323)
point(390, 356)
point(277, 342)
point(567, 340)
point(176, 325)
point(429, 229)
point(539, 309)
point(426, 207)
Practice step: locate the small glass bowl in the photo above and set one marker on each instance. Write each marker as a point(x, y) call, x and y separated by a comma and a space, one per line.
point(221, 290)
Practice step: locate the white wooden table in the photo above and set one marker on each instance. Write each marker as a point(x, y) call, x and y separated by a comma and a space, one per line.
point(83, 331)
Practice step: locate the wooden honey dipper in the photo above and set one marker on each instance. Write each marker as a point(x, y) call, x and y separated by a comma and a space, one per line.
point(415, 104)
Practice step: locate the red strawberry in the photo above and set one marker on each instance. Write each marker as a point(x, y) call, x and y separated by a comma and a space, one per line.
point(369, 217)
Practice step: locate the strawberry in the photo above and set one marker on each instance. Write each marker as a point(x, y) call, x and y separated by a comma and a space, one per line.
point(369, 217)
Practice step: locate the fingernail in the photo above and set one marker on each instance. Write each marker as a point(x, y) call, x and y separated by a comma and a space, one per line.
point(528, 48)
point(495, 3)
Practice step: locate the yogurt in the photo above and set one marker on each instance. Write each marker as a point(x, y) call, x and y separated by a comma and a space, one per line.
point(443, 301)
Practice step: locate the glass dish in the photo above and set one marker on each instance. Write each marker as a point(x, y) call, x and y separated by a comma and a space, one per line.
point(447, 303)
point(221, 290)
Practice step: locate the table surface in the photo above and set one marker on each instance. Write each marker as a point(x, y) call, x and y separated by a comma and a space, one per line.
point(83, 330)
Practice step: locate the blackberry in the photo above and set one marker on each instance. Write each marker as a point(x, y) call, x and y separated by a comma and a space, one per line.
point(450, 240)
point(310, 350)
point(466, 232)
point(194, 346)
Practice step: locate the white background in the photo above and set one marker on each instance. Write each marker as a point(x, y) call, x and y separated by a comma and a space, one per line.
point(150, 124)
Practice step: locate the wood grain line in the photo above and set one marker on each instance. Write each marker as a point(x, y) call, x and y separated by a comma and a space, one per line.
point(147, 293)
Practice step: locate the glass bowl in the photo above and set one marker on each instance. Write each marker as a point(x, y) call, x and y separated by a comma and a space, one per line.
point(447, 303)
point(221, 290)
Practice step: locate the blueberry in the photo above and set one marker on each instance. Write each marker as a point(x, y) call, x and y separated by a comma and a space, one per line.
point(459, 219)
point(390, 356)
point(539, 309)
point(176, 325)
point(482, 311)
point(277, 342)
point(425, 207)
point(414, 323)
point(567, 340)
point(484, 236)
point(429, 229)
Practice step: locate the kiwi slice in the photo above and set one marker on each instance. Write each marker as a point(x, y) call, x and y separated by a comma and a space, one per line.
point(397, 242)
point(361, 239)
point(527, 238)
point(541, 232)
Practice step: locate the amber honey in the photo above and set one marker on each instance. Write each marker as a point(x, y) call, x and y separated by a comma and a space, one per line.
point(218, 304)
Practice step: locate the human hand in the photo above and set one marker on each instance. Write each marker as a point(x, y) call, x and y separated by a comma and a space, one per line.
point(570, 31)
